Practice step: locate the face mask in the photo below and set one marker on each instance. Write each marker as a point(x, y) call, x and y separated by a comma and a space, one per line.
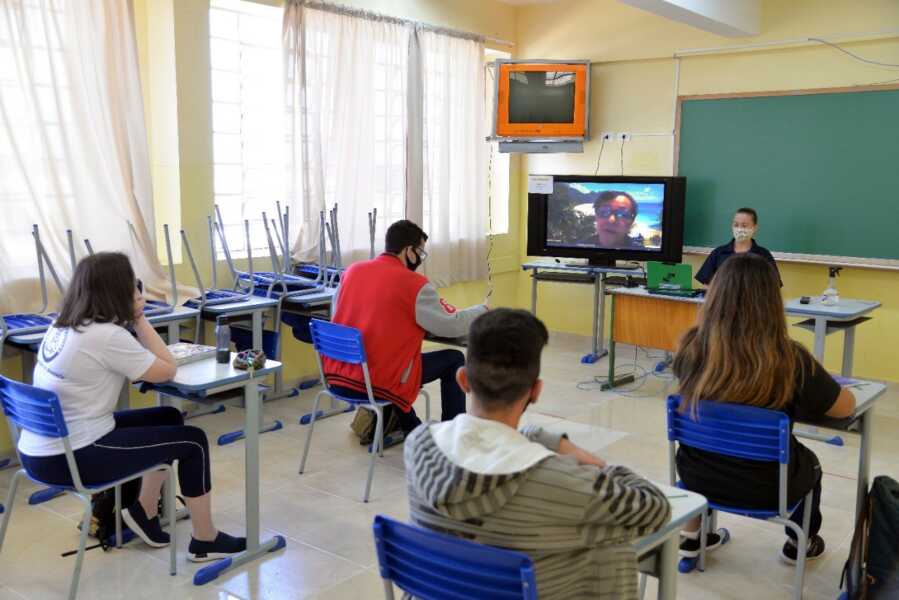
point(412, 266)
point(742, 233)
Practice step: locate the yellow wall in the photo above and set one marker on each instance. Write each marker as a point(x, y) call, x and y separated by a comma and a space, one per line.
point(633, 90)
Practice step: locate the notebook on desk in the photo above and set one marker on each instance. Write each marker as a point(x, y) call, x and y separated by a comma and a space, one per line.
point(667, 279)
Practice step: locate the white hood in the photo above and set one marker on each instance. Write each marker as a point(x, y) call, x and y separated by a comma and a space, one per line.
point(486, 447)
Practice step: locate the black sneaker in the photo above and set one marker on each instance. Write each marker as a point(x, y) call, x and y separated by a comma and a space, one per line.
point(149, 530)
point(223, 547)
point(815, 549)
point(689, 543)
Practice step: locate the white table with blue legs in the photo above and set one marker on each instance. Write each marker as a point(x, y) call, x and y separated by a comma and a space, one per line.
point(254, 307)
point(27, 345)
point(657, 552)
point(823, 320)
point(199, 382)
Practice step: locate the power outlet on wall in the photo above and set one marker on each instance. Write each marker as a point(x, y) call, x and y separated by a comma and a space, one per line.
point(624, 137)
point(607, 136)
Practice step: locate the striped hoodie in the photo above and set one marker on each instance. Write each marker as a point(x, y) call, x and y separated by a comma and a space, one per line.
point(482, 480)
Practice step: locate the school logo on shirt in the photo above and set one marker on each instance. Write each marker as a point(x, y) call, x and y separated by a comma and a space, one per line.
point(449, 308)
point(53, 343)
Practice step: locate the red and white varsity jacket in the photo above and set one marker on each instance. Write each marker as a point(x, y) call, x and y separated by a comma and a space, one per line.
point(393, 307)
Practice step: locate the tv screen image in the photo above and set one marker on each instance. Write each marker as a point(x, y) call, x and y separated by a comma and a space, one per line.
point(609, 216)
point(541, 97)
point(606, 218)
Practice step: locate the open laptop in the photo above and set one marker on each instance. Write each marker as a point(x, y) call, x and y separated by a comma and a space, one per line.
point(670, 279)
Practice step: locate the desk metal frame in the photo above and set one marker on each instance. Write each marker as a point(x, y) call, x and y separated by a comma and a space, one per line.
point(197, 387)
point(598, 275)
point(657, 553)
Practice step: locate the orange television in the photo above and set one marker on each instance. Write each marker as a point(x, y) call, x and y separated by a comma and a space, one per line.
point(542, 99)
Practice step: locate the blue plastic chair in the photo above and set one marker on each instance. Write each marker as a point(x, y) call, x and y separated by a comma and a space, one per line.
point(39, 411)
point(433, 566)
point(343, 343)
point(744, 432)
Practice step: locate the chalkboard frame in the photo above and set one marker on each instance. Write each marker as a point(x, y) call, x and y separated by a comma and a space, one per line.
point(825, 259)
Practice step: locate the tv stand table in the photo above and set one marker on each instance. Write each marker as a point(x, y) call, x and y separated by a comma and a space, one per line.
point(561, 272)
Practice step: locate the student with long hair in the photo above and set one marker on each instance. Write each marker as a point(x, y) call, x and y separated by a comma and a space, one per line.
point(740, 353)
point(85, 358)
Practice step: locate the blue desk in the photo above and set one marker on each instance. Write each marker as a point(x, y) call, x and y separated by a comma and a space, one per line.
point(198, 382)
point(560, 272)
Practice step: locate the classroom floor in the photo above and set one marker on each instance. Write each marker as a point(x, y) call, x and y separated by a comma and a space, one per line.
point(329, 551)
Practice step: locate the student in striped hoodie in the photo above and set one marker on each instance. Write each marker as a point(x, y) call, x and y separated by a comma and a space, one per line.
point(480, 477)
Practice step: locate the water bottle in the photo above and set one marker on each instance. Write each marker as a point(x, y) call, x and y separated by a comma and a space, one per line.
point(222, 343)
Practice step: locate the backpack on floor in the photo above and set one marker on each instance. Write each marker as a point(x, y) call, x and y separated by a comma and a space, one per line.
point(872, 570)
point(103, 509)
point(364, 423)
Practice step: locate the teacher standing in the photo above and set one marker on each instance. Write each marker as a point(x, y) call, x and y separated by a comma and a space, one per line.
point(744, 227)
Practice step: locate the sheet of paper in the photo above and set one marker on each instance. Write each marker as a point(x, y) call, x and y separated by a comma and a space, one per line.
point(540, 184)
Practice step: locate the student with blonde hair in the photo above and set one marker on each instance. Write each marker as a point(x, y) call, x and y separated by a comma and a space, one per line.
point(740, 353)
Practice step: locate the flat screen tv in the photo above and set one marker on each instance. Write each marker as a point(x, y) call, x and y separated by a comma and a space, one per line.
point(604, 219)
point(542, 99)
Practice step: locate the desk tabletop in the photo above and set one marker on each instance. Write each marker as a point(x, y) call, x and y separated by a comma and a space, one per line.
point(250, 305)
point(684, 506)
point(313, 299)
point(641, 291)
point(844, 310)
point(577, 268)
point(866, 395)
point(206, 374)
point(179, 313)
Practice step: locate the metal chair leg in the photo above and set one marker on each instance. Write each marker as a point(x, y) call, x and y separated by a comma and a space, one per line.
point(170, 509)
point(309, 434)
point(118, 516)
point(10, 498)
point(801, 550)
point(377, 445)
point(82, 542)
point(427, 398)
point(703, 533)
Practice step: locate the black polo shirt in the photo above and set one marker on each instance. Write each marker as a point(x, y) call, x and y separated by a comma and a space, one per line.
point(722, 253)
point(754, 484)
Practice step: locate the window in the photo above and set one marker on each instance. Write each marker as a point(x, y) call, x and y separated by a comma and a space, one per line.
point(247, 118)
point(498, 162)
point(35, 106)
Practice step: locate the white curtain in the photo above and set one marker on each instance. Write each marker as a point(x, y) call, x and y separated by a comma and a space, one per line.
point(384, 115)
point(454, 203)
point(346, 81)
point(73, 144)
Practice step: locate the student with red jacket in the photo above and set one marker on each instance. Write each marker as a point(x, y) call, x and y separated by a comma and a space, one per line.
point(393, 307)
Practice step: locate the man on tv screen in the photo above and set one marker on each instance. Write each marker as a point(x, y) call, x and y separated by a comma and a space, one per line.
point(615, 216)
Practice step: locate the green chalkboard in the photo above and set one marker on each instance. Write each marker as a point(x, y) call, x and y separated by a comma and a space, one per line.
point(822, 170)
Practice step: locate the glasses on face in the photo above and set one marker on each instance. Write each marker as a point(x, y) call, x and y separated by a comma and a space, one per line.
point(422, 254)
point(620, 213)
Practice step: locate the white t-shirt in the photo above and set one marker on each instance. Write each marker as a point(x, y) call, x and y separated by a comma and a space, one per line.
point(86, 369)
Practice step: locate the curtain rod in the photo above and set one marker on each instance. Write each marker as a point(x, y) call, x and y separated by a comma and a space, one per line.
point(341, 9)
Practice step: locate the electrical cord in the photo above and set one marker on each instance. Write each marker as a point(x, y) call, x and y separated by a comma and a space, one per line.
point(622, 157)
point(599, 158)
point(490, 235)
point(852, 54)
